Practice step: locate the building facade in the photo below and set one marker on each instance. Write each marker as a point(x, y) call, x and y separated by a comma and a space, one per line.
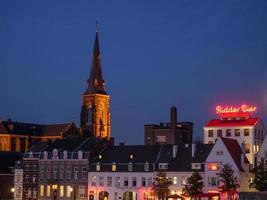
point(19, 137)
point(169, 133)
point(239, 125)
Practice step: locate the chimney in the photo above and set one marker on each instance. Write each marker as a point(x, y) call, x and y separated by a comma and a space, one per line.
point(193, 150)
point(174, 150)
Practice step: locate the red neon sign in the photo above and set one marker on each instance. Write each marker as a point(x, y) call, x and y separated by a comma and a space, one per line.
point(235, 109)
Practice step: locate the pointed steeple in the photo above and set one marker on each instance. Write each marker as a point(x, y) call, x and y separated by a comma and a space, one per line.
point(96, 81)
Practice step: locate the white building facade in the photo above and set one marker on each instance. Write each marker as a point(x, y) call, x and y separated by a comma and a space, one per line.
point(248, 131)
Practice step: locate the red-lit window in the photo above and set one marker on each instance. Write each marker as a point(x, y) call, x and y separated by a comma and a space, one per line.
point(213, 166)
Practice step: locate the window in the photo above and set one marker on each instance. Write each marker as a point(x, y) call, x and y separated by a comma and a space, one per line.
point(113, 168)
point(48, 190)
point(161, 138)
point(54, 172)
point(69, 190)
point(41, 190)
point(82, 192)
point(68, 173)
point(246, 132)
point(213, 181)
point(125, 182)
point(149, 182)
point(109, 181)
point(93, 180)
point(117, 181)
point(130, 167)
point(143, 181)
point(29, 194)
point(146, 167)
point(219, 133)
point(97, 166)
point(61, 173)
point(237, 132)
point(34, 178)
point(41, 173)
point(228, 132)
point(246, 146)
point(219, 153)
point(101, 180)
point(174, 180)
point(48, 172)
point(213, 166)
point(134, 181)
point(210, 133)
point(61, 191)
point(76, 173)
point(255, 132)
point(34, 193)
point(163, 165)
point(84, 173)
point(183, 181)
point(196, 165)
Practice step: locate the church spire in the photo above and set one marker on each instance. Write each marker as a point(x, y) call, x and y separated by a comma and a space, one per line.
point(96, 81)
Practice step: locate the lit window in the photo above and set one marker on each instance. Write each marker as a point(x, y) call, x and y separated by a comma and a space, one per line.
point(113, 167)
point(41, 190)
point(183, 181)
point(213, 166)
point(131, 156)
point(246, 132)
point(69, 190)
point(48, 190)
point(246, 146)
point(210, 133)
point(93, 180)
point(82, 191)
point(61, 191)
point(97, 166)
point(100, 157)
point(174, 180)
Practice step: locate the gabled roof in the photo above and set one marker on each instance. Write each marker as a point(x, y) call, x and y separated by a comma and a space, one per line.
point(235, 151)
point(30, 129)
point(224, 123)
point(56, 129)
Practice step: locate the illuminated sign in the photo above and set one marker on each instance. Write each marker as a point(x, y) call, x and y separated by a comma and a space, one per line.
point(235, 109)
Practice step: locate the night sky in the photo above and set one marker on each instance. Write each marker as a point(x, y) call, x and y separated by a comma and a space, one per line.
point(191, 54)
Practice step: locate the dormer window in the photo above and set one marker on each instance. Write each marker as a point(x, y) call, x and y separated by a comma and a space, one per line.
point(113, 167)
point(146, 167)
point(100, 157)
point(130, 167)
point(97, 166)
point(196, 165)
point(163, 165)
point(131, 156)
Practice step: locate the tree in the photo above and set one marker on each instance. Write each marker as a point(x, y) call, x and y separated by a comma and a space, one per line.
point(229, 181)
point(194, 184)
point(260, 180)
point(161, 185)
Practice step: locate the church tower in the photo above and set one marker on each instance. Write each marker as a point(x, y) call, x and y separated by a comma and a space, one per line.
point(95, 112)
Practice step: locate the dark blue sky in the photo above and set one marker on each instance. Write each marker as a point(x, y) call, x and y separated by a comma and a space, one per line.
point(192, 54)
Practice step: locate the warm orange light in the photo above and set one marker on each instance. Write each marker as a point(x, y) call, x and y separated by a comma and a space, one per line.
point(235, 109)
point(54, 187)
